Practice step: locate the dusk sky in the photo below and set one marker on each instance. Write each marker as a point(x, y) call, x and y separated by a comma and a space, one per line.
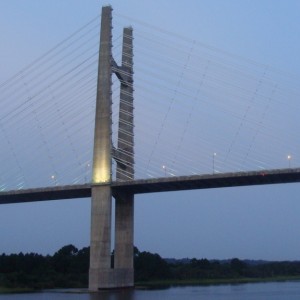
point(248, 222)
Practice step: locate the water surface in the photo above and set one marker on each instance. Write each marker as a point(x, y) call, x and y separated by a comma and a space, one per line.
point(259, 291)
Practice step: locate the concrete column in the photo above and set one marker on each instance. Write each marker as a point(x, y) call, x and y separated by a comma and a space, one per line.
point(100, 274)
point(100, 247)
point(124, 235)
point(124, 218)
point(125, 169)
point(102, 136)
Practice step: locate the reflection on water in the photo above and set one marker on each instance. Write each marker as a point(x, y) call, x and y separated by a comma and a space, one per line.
point(253, 291)
point(125, 294)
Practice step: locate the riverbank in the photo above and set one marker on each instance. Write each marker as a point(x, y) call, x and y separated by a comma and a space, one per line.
point(161, 284)
point(191, 282)
point(5, 290)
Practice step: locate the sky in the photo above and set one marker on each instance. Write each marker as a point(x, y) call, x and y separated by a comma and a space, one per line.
point(247, 222)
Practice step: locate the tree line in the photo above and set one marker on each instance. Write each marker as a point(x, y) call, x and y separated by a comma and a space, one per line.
point(68, 268)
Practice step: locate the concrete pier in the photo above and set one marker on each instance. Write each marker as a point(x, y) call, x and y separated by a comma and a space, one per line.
point(124, 217)
point(100, 247)
point(100, 273)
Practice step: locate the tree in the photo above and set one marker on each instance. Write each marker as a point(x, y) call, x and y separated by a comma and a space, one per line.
point(239, 267)
point(63, 259)
point(150, 266)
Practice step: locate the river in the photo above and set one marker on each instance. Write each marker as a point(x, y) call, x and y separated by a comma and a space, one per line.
point(252, 291)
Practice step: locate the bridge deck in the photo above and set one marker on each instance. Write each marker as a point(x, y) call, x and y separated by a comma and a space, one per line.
point(164, 184)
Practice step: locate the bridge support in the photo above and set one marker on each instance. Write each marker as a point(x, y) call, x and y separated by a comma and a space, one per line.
point(101, 274)
point(123, 258)
point(100, 247)
point(100, 257)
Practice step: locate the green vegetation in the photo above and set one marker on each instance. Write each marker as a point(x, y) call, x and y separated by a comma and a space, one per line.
point(68, 268)
point(204, 272)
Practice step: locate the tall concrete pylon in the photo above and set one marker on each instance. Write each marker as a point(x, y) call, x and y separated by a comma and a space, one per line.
point(124, 205)
point(101, 274)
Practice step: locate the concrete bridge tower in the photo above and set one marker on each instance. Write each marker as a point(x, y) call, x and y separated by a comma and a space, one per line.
point(101, 274)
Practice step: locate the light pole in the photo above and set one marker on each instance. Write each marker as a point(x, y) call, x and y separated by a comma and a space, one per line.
point(54, 179)
point(165, 170)
point(289, 157)
point(87, 172)
point(214, 155)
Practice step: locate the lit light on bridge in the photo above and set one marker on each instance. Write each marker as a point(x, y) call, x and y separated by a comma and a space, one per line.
point(289, 157)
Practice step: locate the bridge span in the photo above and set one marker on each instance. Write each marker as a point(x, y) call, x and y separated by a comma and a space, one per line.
point(164, 184)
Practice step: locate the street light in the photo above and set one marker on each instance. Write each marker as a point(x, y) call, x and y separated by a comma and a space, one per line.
point(165, 169)
point(214, 155)
point(86, 172)
point(54, 179)
point(289, 157)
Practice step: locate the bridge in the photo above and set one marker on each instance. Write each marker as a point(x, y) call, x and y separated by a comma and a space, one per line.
point(119, 167)
point(156, 185)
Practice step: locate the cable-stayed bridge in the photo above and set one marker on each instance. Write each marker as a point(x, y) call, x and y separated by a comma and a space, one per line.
point(202, 119)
